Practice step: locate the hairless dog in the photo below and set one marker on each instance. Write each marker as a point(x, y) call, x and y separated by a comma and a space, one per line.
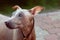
point(23, 21)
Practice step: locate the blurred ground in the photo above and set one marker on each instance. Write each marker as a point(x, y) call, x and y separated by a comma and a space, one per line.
point(47, 25)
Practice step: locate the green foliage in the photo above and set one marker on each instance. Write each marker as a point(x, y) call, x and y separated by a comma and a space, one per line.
point(48, 4)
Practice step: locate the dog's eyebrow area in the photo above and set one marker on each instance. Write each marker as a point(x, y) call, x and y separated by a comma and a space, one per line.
point(21, 11)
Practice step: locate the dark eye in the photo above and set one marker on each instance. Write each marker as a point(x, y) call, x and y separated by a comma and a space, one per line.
point(20, 15)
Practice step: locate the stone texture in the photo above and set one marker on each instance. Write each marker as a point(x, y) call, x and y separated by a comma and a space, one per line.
point(51, 37)
point(50, 22)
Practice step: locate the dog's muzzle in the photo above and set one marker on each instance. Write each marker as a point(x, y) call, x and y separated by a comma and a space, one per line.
point(9, 24)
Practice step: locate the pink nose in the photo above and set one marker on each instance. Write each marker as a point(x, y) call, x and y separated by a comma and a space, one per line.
point(9, 25)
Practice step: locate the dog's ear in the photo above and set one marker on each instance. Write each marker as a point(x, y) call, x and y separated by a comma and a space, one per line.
point(36, 10)
point(16, 7)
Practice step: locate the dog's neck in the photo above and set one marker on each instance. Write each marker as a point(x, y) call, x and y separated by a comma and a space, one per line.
point(22, 34)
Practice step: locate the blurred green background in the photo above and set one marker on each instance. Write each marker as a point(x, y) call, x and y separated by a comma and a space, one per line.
point(6, 5)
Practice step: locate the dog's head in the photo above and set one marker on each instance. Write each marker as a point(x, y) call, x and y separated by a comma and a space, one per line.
point(22, 18)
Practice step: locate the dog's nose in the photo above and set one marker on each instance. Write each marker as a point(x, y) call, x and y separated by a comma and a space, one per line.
point(6, 23)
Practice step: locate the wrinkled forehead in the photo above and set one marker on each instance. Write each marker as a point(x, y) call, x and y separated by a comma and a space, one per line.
point(23, 11)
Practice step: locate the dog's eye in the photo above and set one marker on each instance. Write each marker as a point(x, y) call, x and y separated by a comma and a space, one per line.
point(20, 15)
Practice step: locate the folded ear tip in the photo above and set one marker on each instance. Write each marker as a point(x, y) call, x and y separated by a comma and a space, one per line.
point(15, 7)
point(40, 7)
